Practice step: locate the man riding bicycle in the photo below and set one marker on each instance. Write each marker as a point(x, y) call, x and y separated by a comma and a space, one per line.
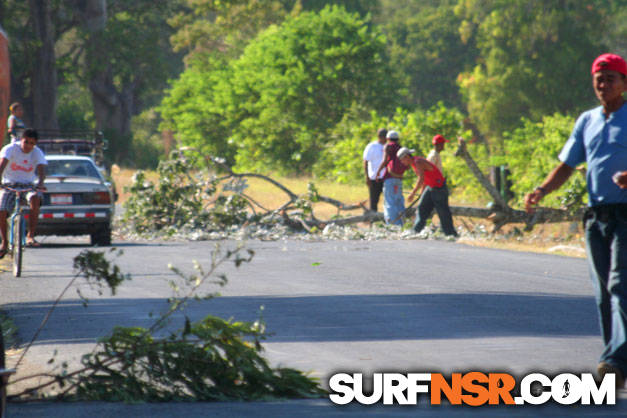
point(20, 164)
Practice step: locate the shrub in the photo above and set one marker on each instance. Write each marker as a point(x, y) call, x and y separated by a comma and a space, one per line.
point(531, 153)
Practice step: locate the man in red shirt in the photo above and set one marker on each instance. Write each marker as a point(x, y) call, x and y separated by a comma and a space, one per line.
point(434, 192)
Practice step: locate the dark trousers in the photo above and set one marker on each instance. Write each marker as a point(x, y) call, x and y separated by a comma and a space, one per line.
point(375, 188)
point(606, 245)
point(434, 198)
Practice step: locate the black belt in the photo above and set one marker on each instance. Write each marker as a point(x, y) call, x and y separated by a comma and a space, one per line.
point(439, 187)
point(605, 213)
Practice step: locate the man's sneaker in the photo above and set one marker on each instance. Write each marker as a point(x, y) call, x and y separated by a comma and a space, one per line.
point(606, 368)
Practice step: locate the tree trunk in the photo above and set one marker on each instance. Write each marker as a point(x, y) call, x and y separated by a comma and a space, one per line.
point(113, 106)
point(93, 13)
point(462, 151)
point(44, 77)
point(113, 110)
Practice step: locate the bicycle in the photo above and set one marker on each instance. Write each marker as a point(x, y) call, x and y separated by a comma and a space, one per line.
point(17, 227)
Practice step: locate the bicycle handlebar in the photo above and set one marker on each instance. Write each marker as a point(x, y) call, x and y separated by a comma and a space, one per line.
point(25, 189)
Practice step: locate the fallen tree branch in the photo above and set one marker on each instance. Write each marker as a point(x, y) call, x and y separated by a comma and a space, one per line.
point(462, 151)
point(500, 214)
point(293, 197)
point(340, 205)
point(369, 216)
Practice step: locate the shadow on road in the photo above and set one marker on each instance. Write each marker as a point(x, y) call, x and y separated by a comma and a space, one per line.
point(335, 318)
point(87, 245)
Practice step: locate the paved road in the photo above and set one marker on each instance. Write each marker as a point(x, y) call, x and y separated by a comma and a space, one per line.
point(334, 306)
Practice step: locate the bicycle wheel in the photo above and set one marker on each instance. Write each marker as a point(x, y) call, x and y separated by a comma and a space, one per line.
point(2, 361)
point(18, 246)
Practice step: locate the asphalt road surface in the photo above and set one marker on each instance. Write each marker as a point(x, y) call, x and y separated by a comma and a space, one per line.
point(336, 306)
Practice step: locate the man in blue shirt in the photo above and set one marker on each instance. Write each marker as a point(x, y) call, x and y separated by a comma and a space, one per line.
point(599, 138)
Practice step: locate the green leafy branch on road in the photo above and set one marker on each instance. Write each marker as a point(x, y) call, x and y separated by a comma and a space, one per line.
point(9, 330)
point(95, 269)
point(209, 359)
point(192, 196)
point(180, 199)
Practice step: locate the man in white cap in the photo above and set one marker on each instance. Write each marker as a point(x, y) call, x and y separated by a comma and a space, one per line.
point(393, 200)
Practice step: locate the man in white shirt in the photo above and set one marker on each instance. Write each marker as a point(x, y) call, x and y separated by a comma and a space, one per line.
point(373, 155)
point(438, 142)
point(21, 163)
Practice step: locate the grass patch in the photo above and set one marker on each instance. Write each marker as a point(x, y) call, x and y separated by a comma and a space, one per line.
point(268, 195)
point(123, 178)
point(271, 197)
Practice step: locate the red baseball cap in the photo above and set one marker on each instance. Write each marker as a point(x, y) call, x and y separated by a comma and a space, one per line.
point(438, 139)
point(610, 62)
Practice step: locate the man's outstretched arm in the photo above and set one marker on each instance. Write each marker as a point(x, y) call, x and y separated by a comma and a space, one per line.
point(553, 181)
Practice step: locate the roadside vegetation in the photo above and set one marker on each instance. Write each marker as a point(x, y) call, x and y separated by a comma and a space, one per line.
point(177, 202)
point(177, 358)
point(297, 89)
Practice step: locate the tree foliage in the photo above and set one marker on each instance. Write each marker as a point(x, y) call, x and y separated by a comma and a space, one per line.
point(205, 28)
point(190, 109)
point(426, 50)
point(531, 152)
point(342, 159)
point(275, 104)
point(131, 76)
point(534, 59)
point(179, 200)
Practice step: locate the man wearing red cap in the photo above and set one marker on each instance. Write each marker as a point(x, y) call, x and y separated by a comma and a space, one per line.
point(599, 138)
point(434, 193)
point(438, 142)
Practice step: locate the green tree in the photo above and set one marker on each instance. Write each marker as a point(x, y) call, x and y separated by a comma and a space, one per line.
point(294, 82)
point(532, 151)
point(32, 31)
point(105, 61)
point(426, 48)
point(190, 109)
point(363, 7)
point(205, 28)
point(275, 104)
point(534, 59)
point(615, 34)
